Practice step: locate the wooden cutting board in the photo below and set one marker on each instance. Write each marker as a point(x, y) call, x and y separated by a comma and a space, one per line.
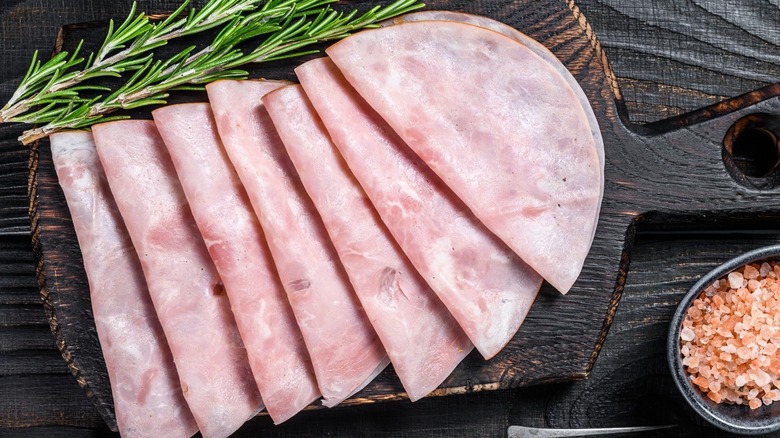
point(671, 174)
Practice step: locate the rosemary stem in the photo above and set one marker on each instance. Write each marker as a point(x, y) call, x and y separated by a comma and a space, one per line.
point(31, 135)
point(7, 115)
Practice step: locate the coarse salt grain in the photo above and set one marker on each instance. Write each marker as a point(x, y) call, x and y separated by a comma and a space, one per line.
point(730, 337)
point(735, 280)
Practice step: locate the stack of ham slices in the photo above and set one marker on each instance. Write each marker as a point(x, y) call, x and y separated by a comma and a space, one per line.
point(284, 242)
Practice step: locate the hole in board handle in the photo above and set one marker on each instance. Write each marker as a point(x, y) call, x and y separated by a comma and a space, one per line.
point(751, 151)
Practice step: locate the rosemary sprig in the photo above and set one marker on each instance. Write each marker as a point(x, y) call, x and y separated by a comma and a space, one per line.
point(307, 22)
point(125, 48)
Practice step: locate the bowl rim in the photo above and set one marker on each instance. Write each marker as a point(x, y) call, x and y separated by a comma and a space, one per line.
point(674, 359)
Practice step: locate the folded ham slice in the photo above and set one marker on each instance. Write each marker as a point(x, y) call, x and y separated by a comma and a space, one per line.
point(148, 400)
point(277, 354)
point(422, 339)
point(187, 293)
point(497, 123)
point(486, 287)
point(344, 349)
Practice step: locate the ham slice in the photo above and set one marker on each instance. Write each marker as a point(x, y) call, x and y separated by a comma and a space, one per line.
point(422, 339)
point(147, 397)
point(533, 45)
point(516, 148)
point(277, 354)
point(187, 293)
point(345, 351)
point(539, 50)
point(486, 287)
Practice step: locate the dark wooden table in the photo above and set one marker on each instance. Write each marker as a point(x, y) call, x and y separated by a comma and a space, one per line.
point(670, 56)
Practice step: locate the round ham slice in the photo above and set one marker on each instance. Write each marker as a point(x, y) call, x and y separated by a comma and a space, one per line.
point(485, 286)
point(533, 45)
point(497, 123)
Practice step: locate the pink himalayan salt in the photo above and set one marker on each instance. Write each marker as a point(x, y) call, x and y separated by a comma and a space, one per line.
point(735, 280)
point(730, 337)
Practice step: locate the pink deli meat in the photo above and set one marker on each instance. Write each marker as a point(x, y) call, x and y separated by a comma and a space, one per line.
point(486, 287)
point(147, 397)
point(539, 50)
point(532, 44)
point(516, 148)
point(187, 293)
point(220, 205)
point(344, 349)
point(422, 339)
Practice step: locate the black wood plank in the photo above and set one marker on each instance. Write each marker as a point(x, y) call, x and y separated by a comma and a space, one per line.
point(33, 362)
point(17, 272)
point(22, 315)
point(15, 295)
point(27, 402)
point(694, 52)
point(20, 338)
point(56, 432)
point(473, 415)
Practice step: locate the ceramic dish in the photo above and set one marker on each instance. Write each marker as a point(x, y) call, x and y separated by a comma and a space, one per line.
point(738, 419)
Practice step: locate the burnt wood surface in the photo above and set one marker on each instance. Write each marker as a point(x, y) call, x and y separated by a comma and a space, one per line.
point(669, 58)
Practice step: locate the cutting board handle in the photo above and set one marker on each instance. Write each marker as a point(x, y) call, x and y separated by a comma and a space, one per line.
point(683, 171)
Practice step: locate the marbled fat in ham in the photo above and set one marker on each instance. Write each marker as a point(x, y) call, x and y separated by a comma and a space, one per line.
point(486, 287)
point(220, 205)
point(345, 351)
point(148, 400)
point(497, 123)
point(186, 290)
point(422, 339)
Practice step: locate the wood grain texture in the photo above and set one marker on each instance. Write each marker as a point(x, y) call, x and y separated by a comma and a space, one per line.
point(618, 383)
point(32, 362)
point(24, 403)
point(680, 55)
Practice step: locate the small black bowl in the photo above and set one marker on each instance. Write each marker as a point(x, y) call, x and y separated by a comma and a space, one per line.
point(739, 419)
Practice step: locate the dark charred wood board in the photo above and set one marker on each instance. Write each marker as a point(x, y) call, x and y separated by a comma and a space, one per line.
point(666, 175)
